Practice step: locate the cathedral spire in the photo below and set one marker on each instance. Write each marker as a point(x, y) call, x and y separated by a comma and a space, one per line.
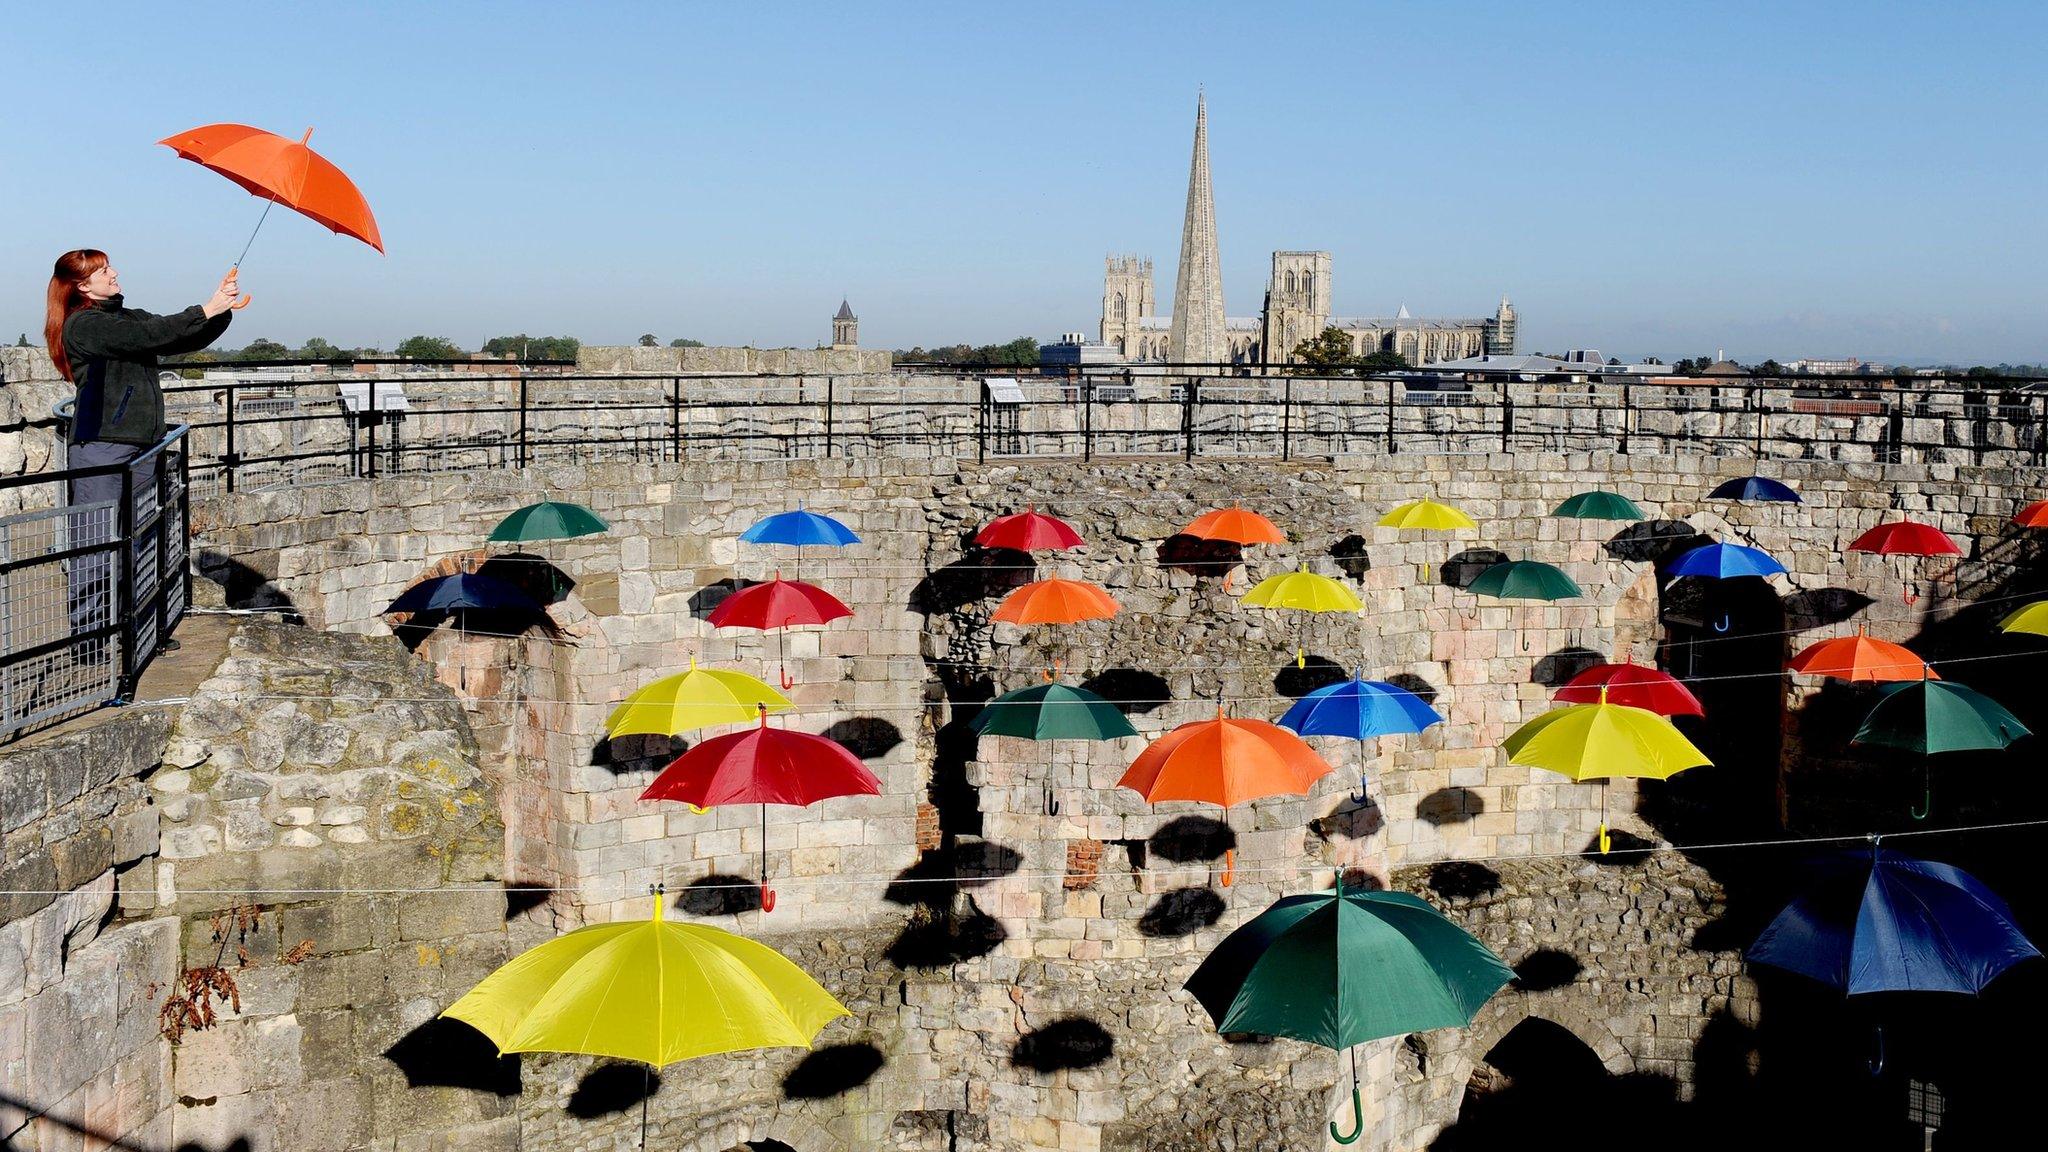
point(1197, 334)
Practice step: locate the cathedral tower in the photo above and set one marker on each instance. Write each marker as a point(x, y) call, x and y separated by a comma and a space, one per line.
point(1502, 335)
point(845, 328)
point(1197, 334)
point(1126, 300)
point(1297, 302)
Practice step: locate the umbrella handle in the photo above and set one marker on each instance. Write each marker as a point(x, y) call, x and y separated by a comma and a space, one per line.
point(1877, 1065)
point(1604, 841)
point(1357, 1109)
point(1052, 804)
point(1300, 657)
point(1910, 596)
point(767, 898)
point(1725, 623)
point(1229, 866)
point(1926, 807)
point(787, 680)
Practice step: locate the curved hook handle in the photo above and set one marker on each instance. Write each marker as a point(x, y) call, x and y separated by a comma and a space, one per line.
point(1911, 595)
point(1877, 1065)
point(1605, 841)
point(1301, 657)
point(787, 680)
point(1360, 797)
point(1357, 1120)
point(1052, 804)
point(1724, 624)
point(1229, 866)
point(767, 898)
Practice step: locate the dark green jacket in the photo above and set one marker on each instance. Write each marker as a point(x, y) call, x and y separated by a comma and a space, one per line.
point(113, 353)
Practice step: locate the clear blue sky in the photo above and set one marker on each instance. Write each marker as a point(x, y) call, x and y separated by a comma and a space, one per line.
point(1775, 179)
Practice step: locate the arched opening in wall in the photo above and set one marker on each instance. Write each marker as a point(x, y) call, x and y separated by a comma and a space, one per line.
point(1541, 1078)
point(1726, 640)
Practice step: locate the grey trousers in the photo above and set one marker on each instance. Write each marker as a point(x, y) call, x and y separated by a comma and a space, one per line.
point(91, 577)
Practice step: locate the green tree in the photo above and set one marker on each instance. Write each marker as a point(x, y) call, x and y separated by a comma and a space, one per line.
point(429, 348)
point(679, 343)
point(317, 348)
point(524, 347)
point(1381, 361)
point(1326, 352)
point(23, 342)
point(1771, 368)
point(647, 340)
point(261, 349)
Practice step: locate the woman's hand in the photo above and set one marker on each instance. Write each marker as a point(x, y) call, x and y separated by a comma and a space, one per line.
point(227, 296)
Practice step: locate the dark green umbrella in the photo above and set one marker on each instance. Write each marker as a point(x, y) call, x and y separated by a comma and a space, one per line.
point(1600, 506)
point(1525, 580)
point(1052, 711)
point(1929, 716)
point(1341, 968)
point(548, 520)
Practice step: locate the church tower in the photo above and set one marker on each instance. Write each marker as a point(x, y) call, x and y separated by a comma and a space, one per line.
point(1197, 334)
point(1126, 300)
point(845, 329)
point(1297, 302)
point(1502, 335)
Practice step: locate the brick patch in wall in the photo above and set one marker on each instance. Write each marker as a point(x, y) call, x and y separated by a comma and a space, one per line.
point(1084, 860)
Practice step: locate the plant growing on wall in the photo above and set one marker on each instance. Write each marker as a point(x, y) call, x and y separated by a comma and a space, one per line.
point(191, 1004)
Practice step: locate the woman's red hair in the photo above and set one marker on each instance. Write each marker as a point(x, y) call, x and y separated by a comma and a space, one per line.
point(65, 298)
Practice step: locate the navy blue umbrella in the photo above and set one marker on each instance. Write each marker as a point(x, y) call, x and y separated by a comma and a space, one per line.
point(1896, 924)
point(1754, 488)
point(464, 590)
point(1723, 561)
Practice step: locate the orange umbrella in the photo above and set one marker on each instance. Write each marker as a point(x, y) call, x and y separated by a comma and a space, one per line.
point(1860, 659)
point(1056, 601)
point(283, 172)
point(2034, 515)
point(1237, 525)
point(1226, 762)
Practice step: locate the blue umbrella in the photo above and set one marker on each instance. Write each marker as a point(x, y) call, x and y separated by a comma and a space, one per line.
point(1725, 561)
point(464, 590)
point(800, 528)
point(1754, 488)
point(1359, 708)
point(1896, 924)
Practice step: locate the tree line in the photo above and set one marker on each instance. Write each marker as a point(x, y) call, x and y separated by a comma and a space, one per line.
point(1019, 353)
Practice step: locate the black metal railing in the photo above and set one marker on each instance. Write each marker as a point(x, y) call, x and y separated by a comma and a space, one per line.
point(273, 432)
point(90, 591)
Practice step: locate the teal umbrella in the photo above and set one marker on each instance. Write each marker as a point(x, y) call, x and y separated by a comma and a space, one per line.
point(1525, 580)
point(548, 520)
point(1341, 968)
point(1929, 716)
point(1052, 711)
point(1599, 506)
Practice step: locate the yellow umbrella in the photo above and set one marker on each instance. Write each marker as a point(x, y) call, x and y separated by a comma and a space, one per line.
point(1599, 741)
point(2032, 619)
point(697, 698)
point(654, 991)
point(1426, 516)
point(1304, 590)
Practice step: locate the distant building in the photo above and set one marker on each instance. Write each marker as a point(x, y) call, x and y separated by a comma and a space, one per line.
point(1074, 351)
point(1848, 367)
point(845, 329)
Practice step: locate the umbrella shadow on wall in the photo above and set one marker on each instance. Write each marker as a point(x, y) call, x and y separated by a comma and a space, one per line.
point(1409, 682)
point(833, 1070)
point(534, 575)
point(706, 600)
point(1192, 840)
point(719, 894)
point(1447, 806)
point(1653, 541)
point(946, 924)
point(1557, 669)
point(1351, 556)
point(625, 755)
point(980, 575)
point(868, 737)
point(610, 1089)
point(445, 1053)
point(1202, 559)
point(1313, 672)
point(1817, 607)
point(246, 588)
point(1181, 912)
point(1069, 1042)
point(497, 623)
point(1134, 691)
point(1464, 567)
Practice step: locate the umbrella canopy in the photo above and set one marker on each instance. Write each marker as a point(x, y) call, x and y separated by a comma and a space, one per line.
point(2031, 619)
point(763, 765)
point(648, 990)
point(1236, 525)
point(1525, 580)
point(1339, 969)
point(464, 590)
point(778, 603)
point(1599, 506)
point(1860, 659)
point(1052, 711)
point(1754, 488)
point(283, 172)
point(1905, 538)
point(1056, 601)
point(1632, 686)
point(1426, 515)
point(548, 520)
point(697, 698)
point(799, 528)
point(1224, 761)
point(1928, 716)
point(1603, 740)
point(1358, 709)
point(2034, 515)
point(1896, 924)
point(1725, 562)
point(1029, 531)
point(1305, 590)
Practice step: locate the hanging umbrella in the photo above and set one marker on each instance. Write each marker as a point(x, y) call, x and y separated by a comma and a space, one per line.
point(280, 171)
point(697, 698)
point(763, 766)
point(1929, 716)
point(1895, 924)
point(1860, 659)
point(1224, 762)
point(1754, 488)
point(1905, 538)
point(2031, 619)
point(1632, 686)
point(1236, 526)
point(651, 991)
point(1343, 968)
point(1029, 531)
point(2034, 515)
point(1600, 741)
point(1359, 709)
point(776, 605)
point(548, 520)
point(1055, 601)
point(799, 528)
point(1724, 562)
point(1599, 506)
point(464, 590)
point(1426, 515)
point(1052, 711)
point(1304, 591)
point(1524, 580)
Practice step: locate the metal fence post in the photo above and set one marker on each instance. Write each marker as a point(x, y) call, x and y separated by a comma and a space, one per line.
point(675, 417)
point(1507, 415)
point(1627, 415)
point(1287, 419)
point(828, 416)
point(228, 460)
point(185, 514)
point(1187, 417)
point(981, 424)
point(370, 426)
point(1391, 446)
point(121, 597)
point(1756, 397)
point(1087, 418)
point(522, 418)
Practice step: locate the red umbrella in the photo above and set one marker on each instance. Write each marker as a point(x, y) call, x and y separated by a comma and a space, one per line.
point(1905, 538)
point(778, 604)
point(1634, 686)
point(1029, 531)
point(2034, 515)
point(763, 766)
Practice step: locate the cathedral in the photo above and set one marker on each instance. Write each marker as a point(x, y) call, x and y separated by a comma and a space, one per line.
point(1297, 305)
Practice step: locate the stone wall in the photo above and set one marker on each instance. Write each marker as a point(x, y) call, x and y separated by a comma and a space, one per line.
point(740, 361)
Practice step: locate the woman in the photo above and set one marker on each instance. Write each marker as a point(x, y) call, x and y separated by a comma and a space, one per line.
point(110, 352)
